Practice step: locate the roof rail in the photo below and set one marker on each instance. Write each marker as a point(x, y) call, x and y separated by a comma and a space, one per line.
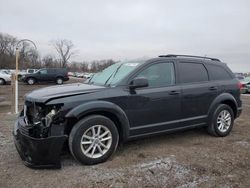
point(201, 57)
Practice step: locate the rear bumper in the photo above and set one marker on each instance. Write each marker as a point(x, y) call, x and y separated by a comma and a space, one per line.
point(66, 79)
point(38, 152)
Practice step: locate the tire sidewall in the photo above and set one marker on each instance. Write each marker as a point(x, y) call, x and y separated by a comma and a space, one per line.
point(216, 114)
point(79, 129)
point(60, 80)
point(31, 79)
point(2, 81)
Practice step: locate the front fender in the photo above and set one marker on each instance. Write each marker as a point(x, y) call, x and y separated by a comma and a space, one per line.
point(102, 106)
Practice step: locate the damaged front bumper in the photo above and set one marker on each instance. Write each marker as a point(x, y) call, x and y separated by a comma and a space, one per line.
point(37, 152)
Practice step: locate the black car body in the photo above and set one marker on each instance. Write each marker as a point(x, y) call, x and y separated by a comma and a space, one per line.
point(137, 108)
point(58, 75)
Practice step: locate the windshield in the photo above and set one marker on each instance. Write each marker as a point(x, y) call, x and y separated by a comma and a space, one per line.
point(114, 73)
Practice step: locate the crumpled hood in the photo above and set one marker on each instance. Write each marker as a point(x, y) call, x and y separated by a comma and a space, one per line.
point(44, 94)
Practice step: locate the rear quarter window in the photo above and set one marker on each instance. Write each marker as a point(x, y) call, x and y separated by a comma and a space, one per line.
point(218, 73)
point(192, 72)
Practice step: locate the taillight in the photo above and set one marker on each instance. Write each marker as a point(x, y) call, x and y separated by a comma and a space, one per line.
point(240, 85)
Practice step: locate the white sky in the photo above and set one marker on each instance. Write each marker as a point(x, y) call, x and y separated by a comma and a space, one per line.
point(127, 29)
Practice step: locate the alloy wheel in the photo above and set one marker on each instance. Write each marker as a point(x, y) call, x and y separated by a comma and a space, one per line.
point(224, 121)
point(96, 141)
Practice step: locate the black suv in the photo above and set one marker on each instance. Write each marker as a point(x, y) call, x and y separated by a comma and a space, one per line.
point(58, 75)
point(126, 101)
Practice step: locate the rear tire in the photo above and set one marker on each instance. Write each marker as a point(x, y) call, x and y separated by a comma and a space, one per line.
point(31, 81)
point(2, 81)
point(93, 139)
point(222, 121)
point(59, 81)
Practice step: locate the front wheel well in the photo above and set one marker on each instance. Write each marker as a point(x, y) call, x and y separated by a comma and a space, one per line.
point(232, 105)
point(72, 121)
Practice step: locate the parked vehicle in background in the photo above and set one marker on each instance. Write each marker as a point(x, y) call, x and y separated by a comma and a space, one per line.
point(57, 75)
point(246, 84)
point(87, 75)
point(70, 74)
point(79, 75)
point(4, 71)
point(5, 78)
point(125, 101)
point(240, 77)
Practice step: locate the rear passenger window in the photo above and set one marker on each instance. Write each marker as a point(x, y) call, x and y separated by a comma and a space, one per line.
point(218, 73)
point(192, 72)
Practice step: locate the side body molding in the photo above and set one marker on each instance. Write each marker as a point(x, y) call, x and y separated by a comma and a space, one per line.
point(102, 106)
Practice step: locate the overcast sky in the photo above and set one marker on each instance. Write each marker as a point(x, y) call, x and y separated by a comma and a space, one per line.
point(127, 29)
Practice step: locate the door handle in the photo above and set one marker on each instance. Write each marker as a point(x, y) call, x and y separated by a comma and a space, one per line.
point(212, 88)
point(174, 92)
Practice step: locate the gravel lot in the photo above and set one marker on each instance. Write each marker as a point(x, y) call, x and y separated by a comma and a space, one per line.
point(185, 159)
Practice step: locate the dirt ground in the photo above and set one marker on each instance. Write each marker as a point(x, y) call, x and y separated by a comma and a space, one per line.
point(185, 159)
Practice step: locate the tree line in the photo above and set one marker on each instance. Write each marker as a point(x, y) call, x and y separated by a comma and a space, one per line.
point(29, 57)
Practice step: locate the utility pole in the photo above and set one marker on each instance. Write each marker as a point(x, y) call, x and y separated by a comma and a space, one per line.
point(16, 81)
point(17, 68)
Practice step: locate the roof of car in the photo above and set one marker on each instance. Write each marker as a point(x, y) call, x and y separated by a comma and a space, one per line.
point(188, 57)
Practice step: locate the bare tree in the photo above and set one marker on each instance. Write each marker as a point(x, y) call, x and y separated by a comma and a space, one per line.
point(7, 44)
point(7, 50)
point(64, 49)
point(28, 57)
point(49, 61)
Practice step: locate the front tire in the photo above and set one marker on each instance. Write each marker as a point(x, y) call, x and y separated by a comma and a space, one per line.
point(222, 121)
point(31, 81)
point(93, 139)
point(2, 81)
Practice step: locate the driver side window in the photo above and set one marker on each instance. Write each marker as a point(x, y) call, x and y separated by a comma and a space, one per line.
point(160, 74)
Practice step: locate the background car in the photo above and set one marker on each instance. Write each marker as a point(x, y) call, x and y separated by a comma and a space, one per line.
point(58, 75)
point(243, 86)
point(247, 83)
point(4, 78)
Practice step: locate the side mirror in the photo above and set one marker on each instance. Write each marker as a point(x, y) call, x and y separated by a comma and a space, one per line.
point(138, 83)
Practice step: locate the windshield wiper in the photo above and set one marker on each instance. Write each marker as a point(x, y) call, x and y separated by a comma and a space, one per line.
point(112, 75)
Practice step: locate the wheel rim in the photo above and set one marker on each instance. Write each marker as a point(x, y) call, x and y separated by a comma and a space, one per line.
point(224, 121)
point(96, 141)
point(31, 81)
point(59, 81)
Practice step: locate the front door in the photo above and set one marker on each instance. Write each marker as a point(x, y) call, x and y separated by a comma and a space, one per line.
point(157, 107)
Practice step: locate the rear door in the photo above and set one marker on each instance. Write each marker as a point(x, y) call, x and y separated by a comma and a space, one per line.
point(197, 92)
point(52, 74)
